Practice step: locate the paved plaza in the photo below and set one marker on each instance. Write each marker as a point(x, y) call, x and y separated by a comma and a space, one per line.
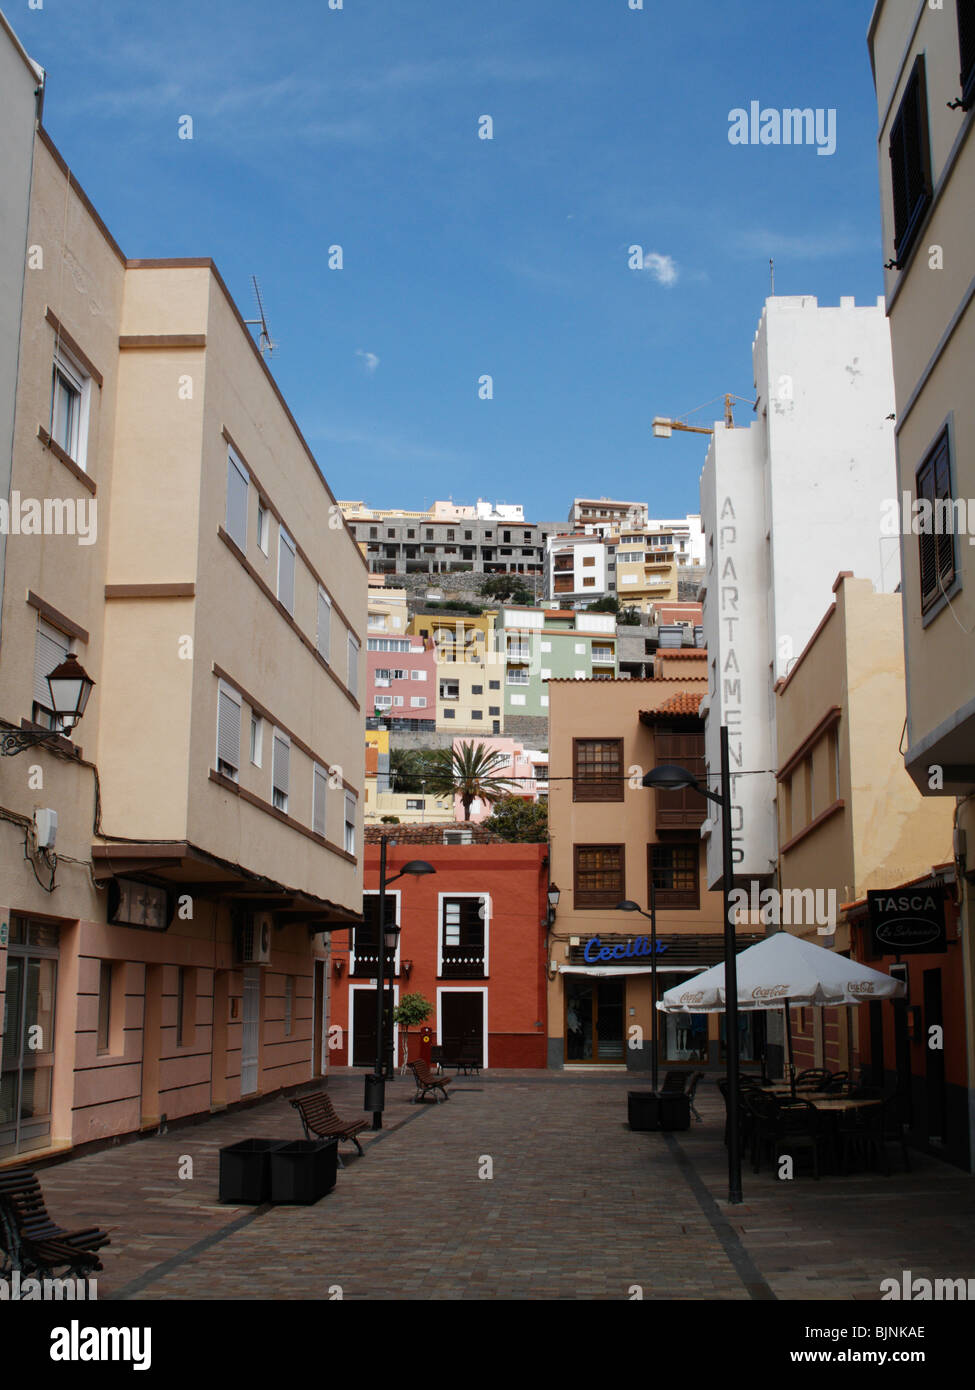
point(577, 1206)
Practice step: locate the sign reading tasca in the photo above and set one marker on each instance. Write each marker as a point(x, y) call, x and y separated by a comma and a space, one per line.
point(907, 921)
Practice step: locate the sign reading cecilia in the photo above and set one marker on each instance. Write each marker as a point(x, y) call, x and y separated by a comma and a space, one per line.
point(907, 921)
point(631, 951)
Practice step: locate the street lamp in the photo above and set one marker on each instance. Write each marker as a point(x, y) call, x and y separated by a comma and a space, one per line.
point(375, 1097)
point(554, 893)
point(70, 685)
point(670, 777)
point(629, 906)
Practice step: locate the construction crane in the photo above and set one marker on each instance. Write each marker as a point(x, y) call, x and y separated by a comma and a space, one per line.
point(663, 427)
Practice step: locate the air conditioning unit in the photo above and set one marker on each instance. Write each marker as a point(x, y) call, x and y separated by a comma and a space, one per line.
point(255, 939)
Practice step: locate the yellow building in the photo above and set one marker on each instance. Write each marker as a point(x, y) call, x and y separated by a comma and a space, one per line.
point(209, 804)
point(469, 670)
point(646, 567)
point(850, 819)
point(924, 74)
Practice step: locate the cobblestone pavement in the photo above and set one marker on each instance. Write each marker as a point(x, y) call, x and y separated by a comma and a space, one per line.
point(578, 1207)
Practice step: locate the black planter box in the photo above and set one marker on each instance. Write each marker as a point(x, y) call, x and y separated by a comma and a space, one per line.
point(650, 1110)
point(303, 1171)
point(245, 1171)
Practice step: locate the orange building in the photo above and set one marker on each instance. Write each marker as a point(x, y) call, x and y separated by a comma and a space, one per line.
point(471, 942)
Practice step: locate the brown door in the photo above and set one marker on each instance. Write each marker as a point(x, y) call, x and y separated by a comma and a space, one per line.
point(364, 1027)
point(462, 1024)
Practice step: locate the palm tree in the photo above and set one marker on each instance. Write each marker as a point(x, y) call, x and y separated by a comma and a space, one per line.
point(469, 771)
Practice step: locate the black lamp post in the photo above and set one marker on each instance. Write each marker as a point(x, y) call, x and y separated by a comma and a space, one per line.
point(70, 685)
point(669, 777)
point(375, 1097)
point(629, 906)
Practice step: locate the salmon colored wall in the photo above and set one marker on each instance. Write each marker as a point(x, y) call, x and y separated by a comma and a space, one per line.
point(515, 876)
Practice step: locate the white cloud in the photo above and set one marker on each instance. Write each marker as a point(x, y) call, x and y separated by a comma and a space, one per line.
point(369, 358)
point(662, 268)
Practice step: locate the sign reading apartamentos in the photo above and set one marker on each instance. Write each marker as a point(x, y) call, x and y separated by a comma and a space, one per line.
point(907, 921)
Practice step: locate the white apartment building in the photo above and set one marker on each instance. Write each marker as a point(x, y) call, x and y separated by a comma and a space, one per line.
point(787, 504)
point(688, 537)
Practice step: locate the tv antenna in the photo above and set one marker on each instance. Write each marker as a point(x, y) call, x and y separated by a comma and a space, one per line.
point(264, 336)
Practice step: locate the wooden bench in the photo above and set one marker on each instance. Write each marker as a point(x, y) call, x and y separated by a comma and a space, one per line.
point(32, 1242)
point(427, 1080)
point(319, 1118)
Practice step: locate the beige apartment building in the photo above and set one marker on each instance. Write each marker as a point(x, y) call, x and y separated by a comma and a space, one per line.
point(610, 839)
point(469, 671)
point(850, 819)
point(924, 72)
point(164, 956)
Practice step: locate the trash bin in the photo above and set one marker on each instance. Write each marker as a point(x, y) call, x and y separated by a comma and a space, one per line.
point(303, 1171)
point(245, 1171)
point(653, 1110)
point(375, 1094)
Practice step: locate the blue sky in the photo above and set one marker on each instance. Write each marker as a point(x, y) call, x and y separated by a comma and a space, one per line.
point(465, 256)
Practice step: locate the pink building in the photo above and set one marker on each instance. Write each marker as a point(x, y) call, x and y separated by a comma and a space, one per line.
point(526, 767)
point(401, 681)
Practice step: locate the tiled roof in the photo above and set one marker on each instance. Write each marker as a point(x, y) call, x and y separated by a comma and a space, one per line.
point(667, 653)
point(429, 834)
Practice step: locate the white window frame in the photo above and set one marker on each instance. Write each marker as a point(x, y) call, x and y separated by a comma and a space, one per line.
point(79, 382)
point(488, 908)
point(277, 736)
point(350, 797)
point(286, 546)
point(418, 675)
point(40, 711)
point(234, 466)
point(319, 778)
point(324, 643)
point(418, 702)
point(223, 689)
point(395, 894)
point(256, 740)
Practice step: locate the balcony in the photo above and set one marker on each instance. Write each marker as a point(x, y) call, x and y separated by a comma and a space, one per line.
point(462, 963)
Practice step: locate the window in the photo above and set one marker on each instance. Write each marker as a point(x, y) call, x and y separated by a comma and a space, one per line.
point(350, 809)
point(418, 702)
point(910, 164)
point(180, 1004)
point(449, 713)
point(286, 570)
point(280, 770)
point(353, 681)
point(450, 535)
point(520, 699)
point(494, 685)
point(597, 769)
point(399, 675)
point(69, 407)
point(289, 1005)
point(673, 871)
point(462, 928)
point(589, 583)
point(516, 676)
point(415, 804)
point(588, 561)
point(477, 689)
point(685, 809)
point(494, 710)
point(429, 535)
point(966, 50)
point(104, 1005)
point(373, 533)
point(237, 484)
point(324, 635)
point(477, 714)
point(418, 675)
point(468, 535)
point(449, 690)
point(390, 533)
point(936, 542)
point(598, 875)
point(257, 738)
point(263, 526)
point(318, 799)
point(50, 649)
point(397, 699)
point(388, 644)
point(383, 676)
point(228, 731)
point(411, 535)
point(382, 701)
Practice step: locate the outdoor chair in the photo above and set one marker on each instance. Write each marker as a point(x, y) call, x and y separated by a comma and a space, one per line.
point(469, 1059)
point(692, 1092)
point(426, 1080)
point(318, 1117)
point(785, 1128)
point(865, 1134)
point(813, 1079)
point(674, 1083)
point(31, 1242)
point(838, 1081)
point(436, 1058)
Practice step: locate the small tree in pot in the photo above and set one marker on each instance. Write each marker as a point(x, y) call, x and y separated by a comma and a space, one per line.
point(411, 1009)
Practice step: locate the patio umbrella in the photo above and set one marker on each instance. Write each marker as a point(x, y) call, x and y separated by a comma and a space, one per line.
point(780, 971)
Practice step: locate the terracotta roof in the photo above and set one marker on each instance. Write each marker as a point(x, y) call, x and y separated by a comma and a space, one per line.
point(682, 677)
point(684, 702)
point(429, 834)
point(669, 652)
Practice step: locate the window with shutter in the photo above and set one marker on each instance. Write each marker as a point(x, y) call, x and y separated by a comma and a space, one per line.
point(598, 875)
point(286, 570)
point(687, 808)
point(462, 938)
point(365, 937)
point(910, 164)
point(324, 624)
point(280, 771)
point(228, 732)
point(936, 541)
point(50, 649)
point(237, 484)
point(353, 681)
point(319, 794)
point(350, 809)
point(673, 871)
point(966, 49)
point(597, 769)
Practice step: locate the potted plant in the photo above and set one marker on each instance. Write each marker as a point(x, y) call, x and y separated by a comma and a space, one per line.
point(411, 1009)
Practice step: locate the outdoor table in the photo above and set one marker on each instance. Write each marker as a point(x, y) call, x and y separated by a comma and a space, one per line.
point(846, 1103)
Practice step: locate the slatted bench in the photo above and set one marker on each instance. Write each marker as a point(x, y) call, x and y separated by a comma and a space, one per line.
point(32, 1242)
point(427, 1080)
point(319, 1118)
